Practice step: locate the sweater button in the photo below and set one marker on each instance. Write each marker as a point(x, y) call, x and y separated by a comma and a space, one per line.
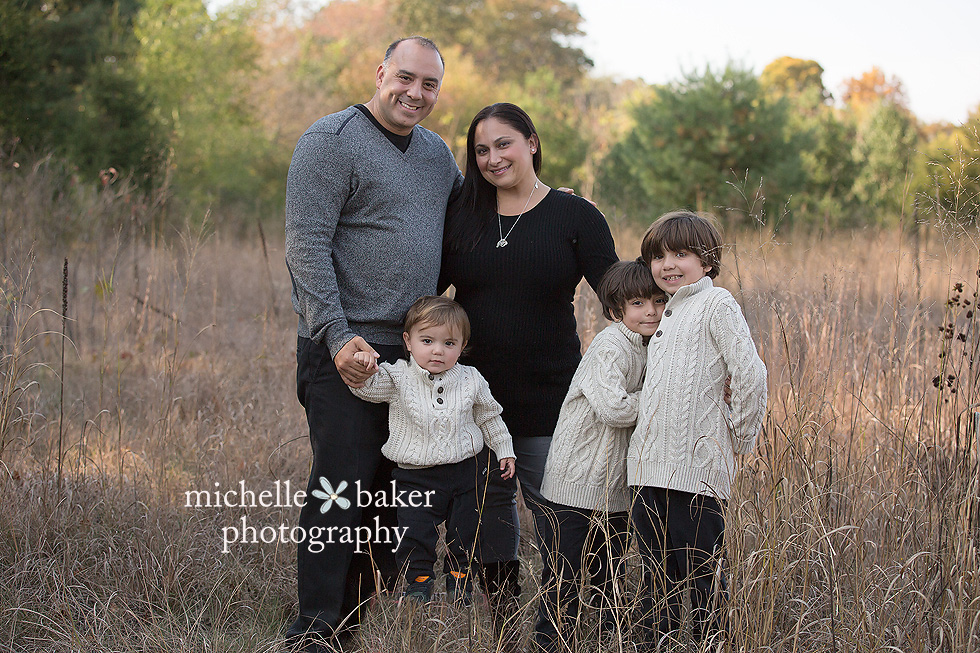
point(439, 400)
point(659, 333)
point(431, 377)
point(439, 389)
point(667, 313)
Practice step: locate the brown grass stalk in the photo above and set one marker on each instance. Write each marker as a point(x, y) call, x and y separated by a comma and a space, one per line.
point(854, 526)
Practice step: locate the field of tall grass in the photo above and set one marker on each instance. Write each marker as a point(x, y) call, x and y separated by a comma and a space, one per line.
point(854, 525)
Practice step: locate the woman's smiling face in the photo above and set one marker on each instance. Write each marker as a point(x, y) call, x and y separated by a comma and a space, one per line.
point(503, 155)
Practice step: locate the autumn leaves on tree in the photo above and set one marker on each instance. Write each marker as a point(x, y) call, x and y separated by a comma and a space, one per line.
point(209, 99)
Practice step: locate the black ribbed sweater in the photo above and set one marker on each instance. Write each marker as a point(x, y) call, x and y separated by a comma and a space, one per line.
point(519, 301)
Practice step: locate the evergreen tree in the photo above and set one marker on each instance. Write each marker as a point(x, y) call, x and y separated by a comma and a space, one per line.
point(706, 142)
point(69, 85)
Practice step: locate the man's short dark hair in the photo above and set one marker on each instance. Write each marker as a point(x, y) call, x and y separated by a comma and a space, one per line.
point(421, 40)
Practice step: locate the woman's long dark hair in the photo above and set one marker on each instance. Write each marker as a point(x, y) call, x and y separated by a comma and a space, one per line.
point(475, 206)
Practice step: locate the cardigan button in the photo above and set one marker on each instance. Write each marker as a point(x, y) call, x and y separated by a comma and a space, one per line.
point(667, 313)
point(439, 400)
point(431, 377)
point(439, 389)
point(659, 333)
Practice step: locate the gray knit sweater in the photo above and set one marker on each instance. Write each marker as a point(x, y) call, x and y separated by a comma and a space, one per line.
point(436, 419)
point(686, 437)
point(586, 465)
point(363, 227)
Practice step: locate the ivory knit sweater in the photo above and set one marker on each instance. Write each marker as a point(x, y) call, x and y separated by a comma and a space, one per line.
point(436, 419)
point(686, 437)
point(586, 465)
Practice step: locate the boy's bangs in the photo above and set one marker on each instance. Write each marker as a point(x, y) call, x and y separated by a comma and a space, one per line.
point(677, 235)
point(638, 284)
point(683, 230)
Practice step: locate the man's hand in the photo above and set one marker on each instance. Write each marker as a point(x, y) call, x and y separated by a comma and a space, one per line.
point(351, 371)
point(571, 191)
point(507, 468)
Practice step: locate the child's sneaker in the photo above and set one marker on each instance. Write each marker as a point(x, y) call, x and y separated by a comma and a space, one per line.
point(459, 589)
point(420, 589)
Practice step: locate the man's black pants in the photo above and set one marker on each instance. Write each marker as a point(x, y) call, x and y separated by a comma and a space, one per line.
point(346, 434)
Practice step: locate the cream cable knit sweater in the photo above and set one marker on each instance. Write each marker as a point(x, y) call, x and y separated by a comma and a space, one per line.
point(436, 419)
point(586, 465)
point(686, 437)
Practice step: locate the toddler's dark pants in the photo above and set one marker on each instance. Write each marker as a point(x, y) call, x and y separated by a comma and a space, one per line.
point(450, 493)
point(579, 544)
point(680, 536)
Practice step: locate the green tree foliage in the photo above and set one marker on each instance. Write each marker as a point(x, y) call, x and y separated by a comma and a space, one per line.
point(69, 86)
point(828, 166)
point(952, 160)
point(464, 92)
point(537, 67)
point(310, 67)
point(792, 77)
point(703, 143)
point(823, 139)
point(221, 98)
point(884, 149)
point(328, 62)
point(563, 143)
point(198, 70)
point(22, 53)
point(506, 38)
point(597, 107)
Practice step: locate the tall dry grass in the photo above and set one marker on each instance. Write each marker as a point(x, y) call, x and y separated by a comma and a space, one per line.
point(854, 526)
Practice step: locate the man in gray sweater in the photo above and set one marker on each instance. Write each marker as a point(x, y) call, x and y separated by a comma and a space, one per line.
point(366, 200)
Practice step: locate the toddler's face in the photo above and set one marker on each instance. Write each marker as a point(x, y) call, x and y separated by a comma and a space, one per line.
point(643, 315)
point(674, 270)
point(435, 347)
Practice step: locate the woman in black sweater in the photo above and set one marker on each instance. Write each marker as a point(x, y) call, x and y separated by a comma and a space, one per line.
point(515, 250)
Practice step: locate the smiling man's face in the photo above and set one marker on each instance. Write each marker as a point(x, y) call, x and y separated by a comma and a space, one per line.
point(408, 87)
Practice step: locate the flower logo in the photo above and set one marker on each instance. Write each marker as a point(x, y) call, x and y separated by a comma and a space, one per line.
point(330, 496)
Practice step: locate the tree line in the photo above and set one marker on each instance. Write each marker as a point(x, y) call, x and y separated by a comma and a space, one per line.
point(208, 103)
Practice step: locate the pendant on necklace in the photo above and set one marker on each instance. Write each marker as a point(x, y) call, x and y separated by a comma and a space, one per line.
point(503, 237)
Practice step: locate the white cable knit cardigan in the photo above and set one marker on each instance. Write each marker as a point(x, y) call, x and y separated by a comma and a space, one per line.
point(436, 419)
point(586, 465)
point(686, 437)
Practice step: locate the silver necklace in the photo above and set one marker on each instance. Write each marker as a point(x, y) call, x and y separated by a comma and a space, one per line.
point(503, 238)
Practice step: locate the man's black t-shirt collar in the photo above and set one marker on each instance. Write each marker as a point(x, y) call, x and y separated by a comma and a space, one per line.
point(399, 141)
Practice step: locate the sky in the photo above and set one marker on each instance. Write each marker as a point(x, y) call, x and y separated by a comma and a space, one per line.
point(933, 47)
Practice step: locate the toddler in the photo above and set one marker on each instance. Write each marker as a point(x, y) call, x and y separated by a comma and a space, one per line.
point(440, 415)
point(681, 456)
point(585, 475)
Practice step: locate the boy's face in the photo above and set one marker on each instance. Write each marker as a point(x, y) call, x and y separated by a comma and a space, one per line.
point(643, 315)
point(674, 270)
point(435, 347)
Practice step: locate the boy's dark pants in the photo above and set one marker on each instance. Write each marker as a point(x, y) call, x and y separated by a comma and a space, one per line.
point(575, 539)
point(449, 493)
point(680, 536)
point(346, 434)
